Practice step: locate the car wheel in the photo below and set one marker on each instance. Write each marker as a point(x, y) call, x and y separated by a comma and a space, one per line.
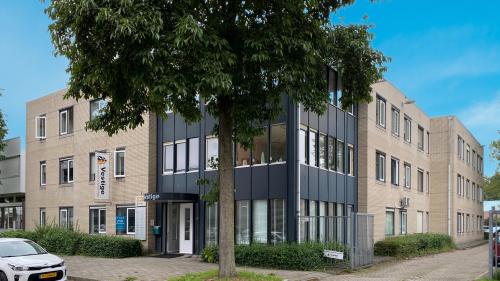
point(3, 277)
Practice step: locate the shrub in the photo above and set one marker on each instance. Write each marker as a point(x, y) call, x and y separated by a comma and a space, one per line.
point(414, 245)
point(213, 275)
point(109, 246)
point(306, 256)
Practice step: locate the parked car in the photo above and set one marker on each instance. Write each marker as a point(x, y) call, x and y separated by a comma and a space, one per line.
point(23, 260)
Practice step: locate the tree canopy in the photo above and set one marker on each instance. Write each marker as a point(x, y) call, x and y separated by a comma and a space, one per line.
point(3, 132)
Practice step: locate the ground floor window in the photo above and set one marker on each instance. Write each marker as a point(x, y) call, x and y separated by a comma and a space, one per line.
point(404, 221)
point(304, 224)
point(125, 220)
point(97, 220)
point(420, 221)
point(278, 221)
point(322, 223)
point(211, 226)
point(389, 222)
point(11, 217)
point(43, 217)
point(243, 222)
point(340, 222)
point(259, 223)
point(66, 217)
point(313, 220)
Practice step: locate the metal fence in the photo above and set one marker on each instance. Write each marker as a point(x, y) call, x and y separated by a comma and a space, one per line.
point(347, 239)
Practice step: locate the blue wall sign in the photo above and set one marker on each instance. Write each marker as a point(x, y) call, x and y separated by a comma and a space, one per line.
point(120, 223)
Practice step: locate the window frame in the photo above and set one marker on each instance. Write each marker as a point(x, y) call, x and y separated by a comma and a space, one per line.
point(207, 139)
point(420, 181)
point(99, 107)
point(99, 209)
point(313, 159)
point(164, 171)
point(190, 152)
point(340, 153)
point(380, 167)
point(395, 174)
point(407, 133)
point(37, 126)
point(128, 220)
point(43, 173)
point(92, 163)
point(421, 138)
point(395, 130)
point(44, 212)
point(381, 120)
point(67, 159)
point(407, 179)
point(177, 156)
point(115, 162)
point(271, 160)
point(401, 213)
point(350, 162)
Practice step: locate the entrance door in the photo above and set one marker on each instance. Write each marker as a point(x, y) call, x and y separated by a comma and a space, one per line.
point(173, 228)
point(186, 228)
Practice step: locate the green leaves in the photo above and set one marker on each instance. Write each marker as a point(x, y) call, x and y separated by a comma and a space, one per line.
point(3, 133)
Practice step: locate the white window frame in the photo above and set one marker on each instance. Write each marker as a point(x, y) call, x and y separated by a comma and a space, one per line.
point(165, 172)
point(44, 165)
point(407, 133)
point(176, 156)
point(207, 138)
point(395, 126)
point(69, 159)
point(115, 162)
point(65, 211)
point(38, 120)
point(381, 110)
point(407, 180)
point(127, 209)
point(66, 124)
point(380, 167)
point(396, 160)
point(99, 209)
point(43, 211)
point(350, 154)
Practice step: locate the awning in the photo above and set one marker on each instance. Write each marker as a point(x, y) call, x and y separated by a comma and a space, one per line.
point(170, 196)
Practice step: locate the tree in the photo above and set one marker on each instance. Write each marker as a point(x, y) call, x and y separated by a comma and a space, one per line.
point(3, 132)
point(238, 56)
point(492, 187)
point(495, 150)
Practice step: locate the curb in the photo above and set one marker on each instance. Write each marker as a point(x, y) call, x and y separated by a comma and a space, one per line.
point(74, 278)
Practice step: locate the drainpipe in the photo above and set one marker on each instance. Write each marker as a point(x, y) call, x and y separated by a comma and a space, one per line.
point(298, 172)
point(450, 144)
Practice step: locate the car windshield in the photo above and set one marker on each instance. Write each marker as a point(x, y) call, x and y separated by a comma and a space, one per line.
point(20, 248)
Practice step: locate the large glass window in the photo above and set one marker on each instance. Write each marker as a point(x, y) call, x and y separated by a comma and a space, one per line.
point(120, 163)
point(380, 111)
point(66, 170)
point(404, 220)
point(420, 138)
point(322, 222)
point(278, 143)
point(303, 145)
point(340, 156)
point(97, 220)
point(260, 148)
point(243, 222)
point(92, 163)
point(242, 156)
point(313, 148)
point(66, 217)
point(97, 107)
point(420, 180)
point(407, 132)
point(407, 175)
point(66, 121)
point(313, 220)
point(340, 222)
point(380, 166)
point(350, 159)
point(194, 154)
point(43, 217)
point(211, 225)
point(395, 121)
point(304, 224)
point(212, 153)
point(322, 151)
point(125, 220)
point(43, 173)
point(40, 125)
point(394, 171)
point(180, 156)
point(331, 153)
point(168, 158)
point(259, 221)
point(278, 221)
point(389, 222)
point(468, 154)
point(420, 222)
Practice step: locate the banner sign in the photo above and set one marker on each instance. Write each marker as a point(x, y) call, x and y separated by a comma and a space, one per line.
point(120, 224)
point(102, 176)
point(333, 254)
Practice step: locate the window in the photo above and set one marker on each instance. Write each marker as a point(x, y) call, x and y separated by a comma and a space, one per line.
point(120, 163)
point(43, 173)
point(243, 222)
point(43, 217)
point(459, 183)
point(313, 148)
point(340, 156)
point(395, 171)
point(242, 156)
point(331, 153)
point(92, 163)
point(194, 154)
point(180, 156)
point(407, 132)
point(97, 220)
point(339, 98)
point(473, 191)
point(321, 218)
point(66, 121)
point(168, 158)
point(467, 188)
point(278, 221)
point(428, 181)
point(395, 121)
point(211, 225)
point(428, 142)
point(278, 143)
point(125, 220)
point(97, 108)
point(407, 175)
point(304, 224)
point(420, 138)
point(460, 147)
point(420, 180)
point(187, 224)
point(260, 148)
point(259, 221)
point(212, 153)
point(404, 220)
point(380, 111)
point(468, 154)
point(380, 166)
point(313, 220)
point(350, 110)
point(66, 217)
point(474, 159)
point(323, 163)
point(66, 170)
point(350, 160)
point(389, 222)
point(40, 127)
point(303, 145)
point(420, 222)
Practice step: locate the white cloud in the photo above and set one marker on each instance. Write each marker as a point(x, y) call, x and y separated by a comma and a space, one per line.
point(482, 114)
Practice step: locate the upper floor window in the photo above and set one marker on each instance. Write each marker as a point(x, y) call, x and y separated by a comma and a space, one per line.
point(168, 158)
point(420, 180)
point(460, 147)
point(120, 163)
point(212, 153)
point(97, 107)
point(380, 111)
point(40, 127)
point(339, 98)
point(468, 154)
point(407, 128)
point(66, 170)
point(340, 156)
point(407, 175)
point(474, 162)
point(242, 156)
point(323, 163)
point(395, 121)
point(43, 173)
point(380, 166)
point(331, 153)
point(66, 121)
point(92, 163)
point(193, 154)
point(428, 142)
point(313, 148)
point(428, 182)
point(303, 145)
point(180, 156)
point(278, 143)
point(260, 148)
point(394, 171)
point(420, 138)
point(350, 160)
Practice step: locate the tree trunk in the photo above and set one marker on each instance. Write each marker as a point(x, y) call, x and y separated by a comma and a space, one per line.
point(227, 267)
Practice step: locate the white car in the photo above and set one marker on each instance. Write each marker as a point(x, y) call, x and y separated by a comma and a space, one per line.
point(25, 260)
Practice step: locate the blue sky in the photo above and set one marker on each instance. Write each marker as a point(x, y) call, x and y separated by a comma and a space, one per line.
point(445, 55)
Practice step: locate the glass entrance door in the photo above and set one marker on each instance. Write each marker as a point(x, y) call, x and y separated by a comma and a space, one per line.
point(186, 228)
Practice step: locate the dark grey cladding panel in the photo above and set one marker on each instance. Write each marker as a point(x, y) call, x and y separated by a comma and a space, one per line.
point(167, 184)
point(304, 116)
point(304, 182)
point(313, 183)
point(340, 188)
point(277, 181)
point(211, 176)
point(260, 182)
point(332, 187)
point(193, 130)
point(323, 185)
point(351, 190)
point(192, 183)
point(351, 129)
point(180, 127)
point(168, 128)
point(323, 122)
point(180, 183)
point(313, 120)
point(332, 121)
point(243, 183)
point(340, 124)
point(209, 124)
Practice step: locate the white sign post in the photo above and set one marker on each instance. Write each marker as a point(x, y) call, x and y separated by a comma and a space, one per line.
point(102, 176)
point(333, 254)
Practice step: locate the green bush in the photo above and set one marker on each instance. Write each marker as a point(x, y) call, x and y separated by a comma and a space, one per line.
point(306, 256)
point(72, 242)
point(414, 245)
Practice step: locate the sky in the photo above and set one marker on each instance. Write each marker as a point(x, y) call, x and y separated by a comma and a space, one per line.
point(444, 54)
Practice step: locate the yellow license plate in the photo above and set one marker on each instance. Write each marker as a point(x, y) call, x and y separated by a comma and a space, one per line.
point(48, 275)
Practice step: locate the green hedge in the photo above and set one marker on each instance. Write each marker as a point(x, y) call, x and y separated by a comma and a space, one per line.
point(414, 245)
point(70, 242)
point(306, 256)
